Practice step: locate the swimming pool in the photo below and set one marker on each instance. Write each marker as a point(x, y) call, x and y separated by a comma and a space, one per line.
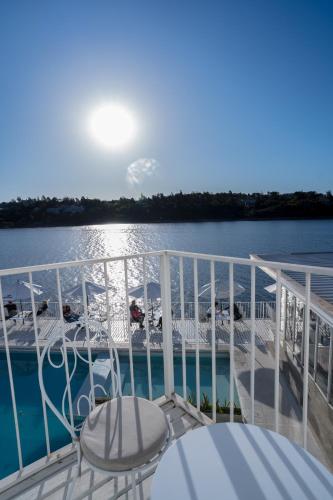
point(30, 416)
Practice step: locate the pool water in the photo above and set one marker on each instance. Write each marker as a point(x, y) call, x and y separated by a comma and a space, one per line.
point(29, 407)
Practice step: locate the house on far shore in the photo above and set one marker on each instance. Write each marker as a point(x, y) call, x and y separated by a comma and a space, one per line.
point(65, 209)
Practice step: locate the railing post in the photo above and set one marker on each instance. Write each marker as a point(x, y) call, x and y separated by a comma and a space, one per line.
point(277, 351)
point(11, 380)
point(213, 320)
point(294, 325)
point(182, 319)
point(315, 357)
point(129, 331)
point(196, 326)
point(231, 345)
point(330, 361)
point(167, 324)
point(150, 387)
point(253, 338)
point(306, 358)
point(34, 317)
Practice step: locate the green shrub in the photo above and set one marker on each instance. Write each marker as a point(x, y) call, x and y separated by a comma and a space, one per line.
point(207, 407)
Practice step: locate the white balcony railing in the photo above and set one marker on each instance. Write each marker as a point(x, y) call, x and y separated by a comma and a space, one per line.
point(119, 272)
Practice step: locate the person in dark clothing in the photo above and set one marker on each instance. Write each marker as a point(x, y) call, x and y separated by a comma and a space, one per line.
point(42, 308)
point(69, 316)
point(137, 316)
point(237, 314)
point(11, 309)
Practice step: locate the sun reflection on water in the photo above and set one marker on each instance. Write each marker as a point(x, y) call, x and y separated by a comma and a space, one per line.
point(115, 240)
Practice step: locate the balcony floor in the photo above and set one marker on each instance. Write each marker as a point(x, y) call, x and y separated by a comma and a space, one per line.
point(53, 480)
point(290, 410)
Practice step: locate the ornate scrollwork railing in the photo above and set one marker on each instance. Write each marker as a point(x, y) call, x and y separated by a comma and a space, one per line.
point(61, 344)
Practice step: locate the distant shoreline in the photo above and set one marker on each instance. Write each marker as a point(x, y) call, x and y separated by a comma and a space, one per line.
point(165, 221)
point(163, 209)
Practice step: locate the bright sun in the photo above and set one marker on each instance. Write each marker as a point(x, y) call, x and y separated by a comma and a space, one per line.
point(112, 126)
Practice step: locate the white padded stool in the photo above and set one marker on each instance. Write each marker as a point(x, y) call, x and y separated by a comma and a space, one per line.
point(123, 434)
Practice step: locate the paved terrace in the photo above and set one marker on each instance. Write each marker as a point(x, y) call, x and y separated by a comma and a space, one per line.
point(22, 336)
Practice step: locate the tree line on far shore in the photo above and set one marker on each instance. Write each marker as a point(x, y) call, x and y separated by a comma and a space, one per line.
point(178, 207)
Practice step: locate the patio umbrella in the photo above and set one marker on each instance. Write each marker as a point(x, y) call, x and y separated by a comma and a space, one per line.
point(271, 288)
point(20, 290)
point(222, 290)
point(153, 291)
point(92, 289)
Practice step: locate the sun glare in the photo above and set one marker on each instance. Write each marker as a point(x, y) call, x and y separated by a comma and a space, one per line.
point(112, 126)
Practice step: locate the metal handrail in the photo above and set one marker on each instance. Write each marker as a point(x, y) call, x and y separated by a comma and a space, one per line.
point(251, 310)
point(325, 271)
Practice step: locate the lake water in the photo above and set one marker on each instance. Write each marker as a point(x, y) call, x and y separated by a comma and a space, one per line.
point(21, 247)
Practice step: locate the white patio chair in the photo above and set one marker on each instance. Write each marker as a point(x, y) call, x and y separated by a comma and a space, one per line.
point(124, 436)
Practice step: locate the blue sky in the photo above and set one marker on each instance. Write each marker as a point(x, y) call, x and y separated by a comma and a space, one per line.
point(228, 95)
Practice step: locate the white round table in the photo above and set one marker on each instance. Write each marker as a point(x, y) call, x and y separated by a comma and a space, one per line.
point(237, 461)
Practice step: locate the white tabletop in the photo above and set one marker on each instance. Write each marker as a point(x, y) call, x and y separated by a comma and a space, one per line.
point(237, 461)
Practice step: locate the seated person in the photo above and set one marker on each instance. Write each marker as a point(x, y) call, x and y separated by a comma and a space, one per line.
point(42, 308)
point(159, 324)
point(69, 316)
point(11, 309)
point(137, 316)
point(217, 310)
point(237, 313)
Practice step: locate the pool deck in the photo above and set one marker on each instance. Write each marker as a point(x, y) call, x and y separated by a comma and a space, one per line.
point(22, 336)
